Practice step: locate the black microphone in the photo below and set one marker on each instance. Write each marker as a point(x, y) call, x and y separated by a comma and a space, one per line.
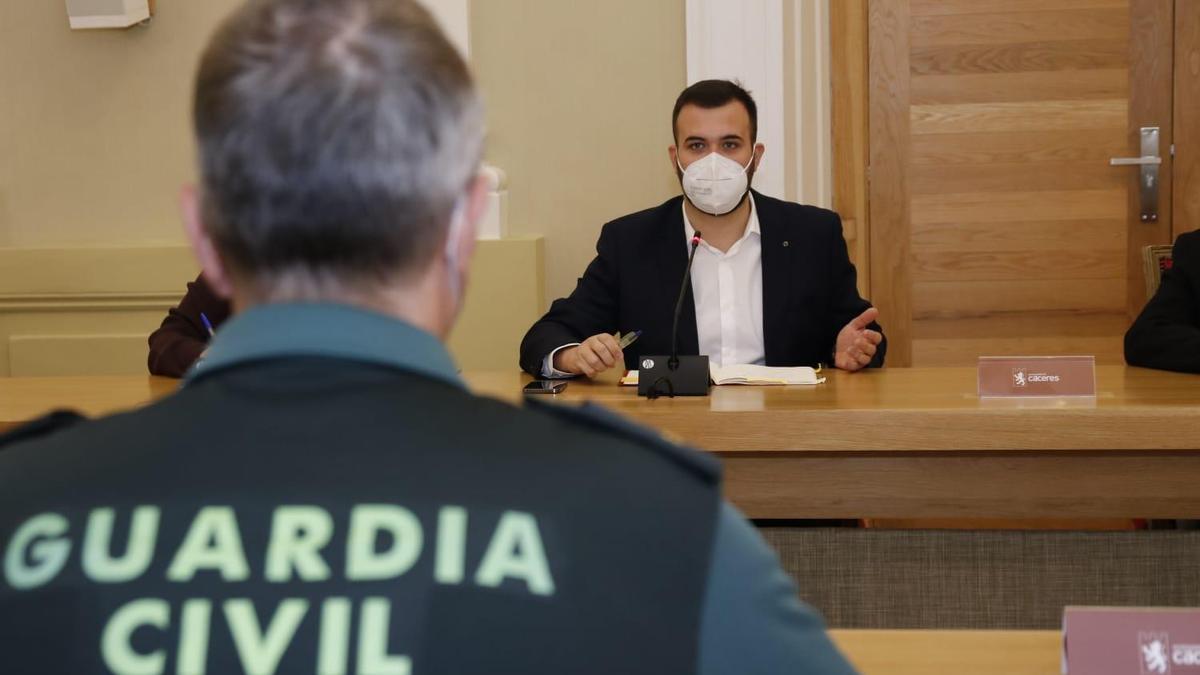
point(674, 375)
point(673, 362)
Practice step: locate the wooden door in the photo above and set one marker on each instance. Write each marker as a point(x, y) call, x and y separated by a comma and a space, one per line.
point(1186, 160)
point(997, 225)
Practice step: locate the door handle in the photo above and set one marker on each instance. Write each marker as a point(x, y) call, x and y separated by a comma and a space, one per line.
point(1148, 180)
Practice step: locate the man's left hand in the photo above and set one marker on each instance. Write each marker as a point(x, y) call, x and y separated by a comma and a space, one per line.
point(856, 344)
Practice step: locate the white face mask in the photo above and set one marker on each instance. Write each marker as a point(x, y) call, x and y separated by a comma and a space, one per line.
point(715, 184)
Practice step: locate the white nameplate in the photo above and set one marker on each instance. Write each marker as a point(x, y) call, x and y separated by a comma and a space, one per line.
point(1036, 376)
point(1131, 640)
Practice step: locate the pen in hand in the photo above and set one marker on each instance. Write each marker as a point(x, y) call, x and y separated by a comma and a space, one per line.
point(628, 338)
point(207, 324)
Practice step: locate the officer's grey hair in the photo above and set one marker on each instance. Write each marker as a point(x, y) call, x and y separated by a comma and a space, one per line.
point(335, 139)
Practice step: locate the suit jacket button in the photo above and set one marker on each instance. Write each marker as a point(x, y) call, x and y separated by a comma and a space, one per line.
point(785, 244)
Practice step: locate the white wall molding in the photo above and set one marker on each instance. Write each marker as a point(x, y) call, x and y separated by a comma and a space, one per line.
point(454, 16)
point(751, 41)
point(812, 156)
point(743, 40)
point(455, 19)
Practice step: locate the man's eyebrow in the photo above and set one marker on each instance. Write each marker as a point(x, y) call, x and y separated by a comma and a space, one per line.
point(726, 137)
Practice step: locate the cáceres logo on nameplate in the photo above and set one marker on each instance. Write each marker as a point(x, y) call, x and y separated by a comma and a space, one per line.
point(1036, 376)
point(1124, 640)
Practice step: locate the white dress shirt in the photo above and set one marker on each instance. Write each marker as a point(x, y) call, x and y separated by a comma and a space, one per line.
point(727, 289)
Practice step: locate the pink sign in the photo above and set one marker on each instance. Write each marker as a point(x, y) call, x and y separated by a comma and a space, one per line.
point(1036, 376)
point(1131, 641)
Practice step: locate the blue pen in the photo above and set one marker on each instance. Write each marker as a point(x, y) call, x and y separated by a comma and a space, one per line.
point(207, 324)
point(629, 338)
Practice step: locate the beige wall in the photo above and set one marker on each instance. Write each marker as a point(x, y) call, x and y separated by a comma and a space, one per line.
point(94, 140)
point(88, 310)
point(94, 137)
point(579, 98)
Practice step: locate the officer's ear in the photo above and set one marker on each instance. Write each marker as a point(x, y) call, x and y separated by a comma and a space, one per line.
point(202, 245)
point(474, 208)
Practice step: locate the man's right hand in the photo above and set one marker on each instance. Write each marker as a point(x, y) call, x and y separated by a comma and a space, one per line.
point(591, 357)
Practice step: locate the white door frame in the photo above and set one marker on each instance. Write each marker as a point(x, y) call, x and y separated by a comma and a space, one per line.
point(749, 40)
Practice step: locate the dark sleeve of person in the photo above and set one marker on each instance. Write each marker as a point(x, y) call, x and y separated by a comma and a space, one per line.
point(846, 303)
point(592, 308)
point(1166, 335)
point(178, 342)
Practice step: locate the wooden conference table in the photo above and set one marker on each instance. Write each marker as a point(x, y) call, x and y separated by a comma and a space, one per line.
point(891, 443)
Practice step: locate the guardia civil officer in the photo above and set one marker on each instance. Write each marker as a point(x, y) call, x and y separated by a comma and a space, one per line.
point(323, 494)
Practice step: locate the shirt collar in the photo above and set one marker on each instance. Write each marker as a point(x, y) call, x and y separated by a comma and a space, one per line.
point(328, 330)
point(751, 224)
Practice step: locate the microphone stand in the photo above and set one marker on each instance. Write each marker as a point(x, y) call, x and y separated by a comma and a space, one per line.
point(675, 375)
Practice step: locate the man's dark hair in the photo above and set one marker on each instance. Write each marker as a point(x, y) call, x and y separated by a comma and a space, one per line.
point(335, 140)
point(714, 94)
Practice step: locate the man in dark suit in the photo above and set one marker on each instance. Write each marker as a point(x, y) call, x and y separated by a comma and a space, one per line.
point(771, 284)
point(1166, 335)
point(324, 494)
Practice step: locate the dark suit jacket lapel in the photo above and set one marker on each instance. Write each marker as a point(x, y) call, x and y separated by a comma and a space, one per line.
point(776, 277)
point(672, 259)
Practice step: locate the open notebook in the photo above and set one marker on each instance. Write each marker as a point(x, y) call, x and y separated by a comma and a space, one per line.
point(749, 374)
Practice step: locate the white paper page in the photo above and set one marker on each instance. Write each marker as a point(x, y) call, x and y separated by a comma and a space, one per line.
point(752, 374)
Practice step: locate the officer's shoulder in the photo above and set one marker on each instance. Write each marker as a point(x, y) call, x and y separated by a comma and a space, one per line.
point(598, 420)
point(42, 428)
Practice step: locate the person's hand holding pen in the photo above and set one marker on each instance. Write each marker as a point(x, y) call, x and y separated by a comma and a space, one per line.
point(595, 354)
point(208, 328)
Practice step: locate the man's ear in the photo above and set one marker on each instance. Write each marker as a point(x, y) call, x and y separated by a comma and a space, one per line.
point(759, 149)
point(673, 153)
point(202, 246)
